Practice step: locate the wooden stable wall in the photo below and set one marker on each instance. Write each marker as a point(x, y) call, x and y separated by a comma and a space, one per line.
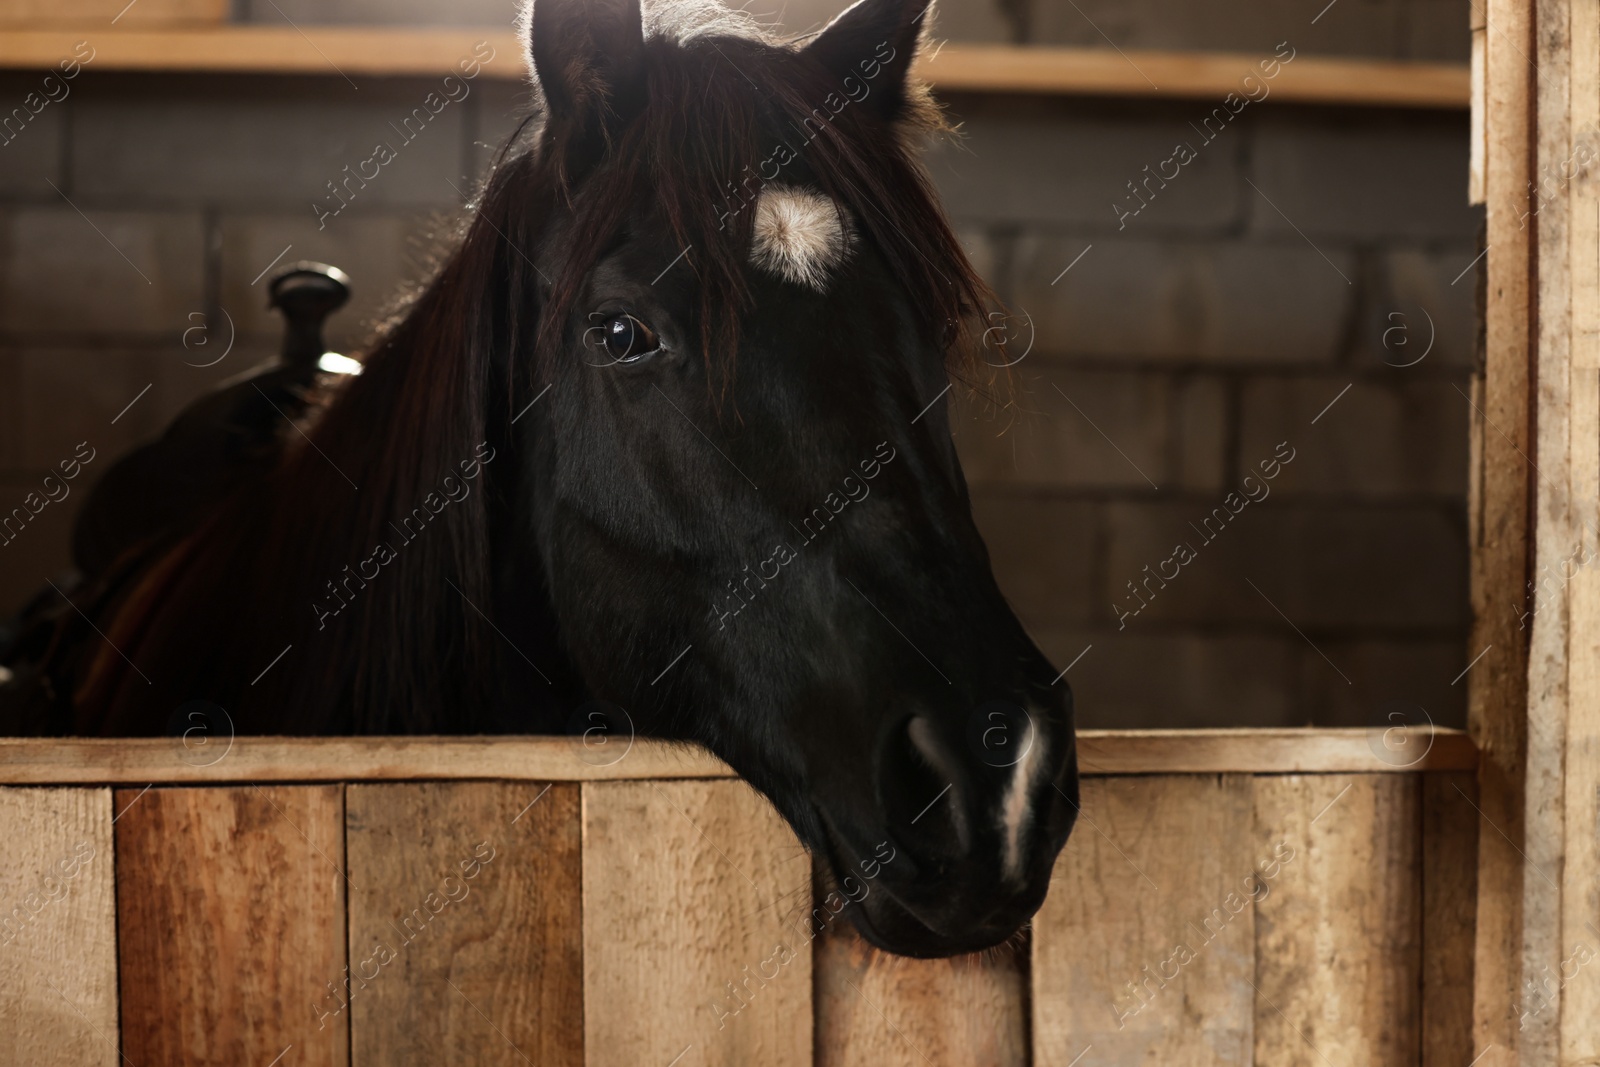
point(1288, 897)
point(1535, 532)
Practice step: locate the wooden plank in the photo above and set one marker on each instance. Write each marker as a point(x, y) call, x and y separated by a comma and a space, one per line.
point(58, 933)
point(1274, 751)
point(878, 1010)
point(1449, 909)
point(1539, 1037)
point(1579, 944)
point(357, 51)
point(230, 908)
point(93, 761)
point(690, 892)
point(1145, 948)
point(1497, 684)
point(1338, 948)
point(96, 15)
point(1194, 75)
point(465, 925)
point(1576, 971)
point(35, 761)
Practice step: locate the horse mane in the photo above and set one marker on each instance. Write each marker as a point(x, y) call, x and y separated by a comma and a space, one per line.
point(414, 650)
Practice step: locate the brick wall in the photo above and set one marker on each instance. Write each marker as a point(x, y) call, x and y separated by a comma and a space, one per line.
point(1279, 273)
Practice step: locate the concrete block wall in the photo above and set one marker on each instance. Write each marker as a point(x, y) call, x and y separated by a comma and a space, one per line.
point(1306, 282)
point(1300, 260)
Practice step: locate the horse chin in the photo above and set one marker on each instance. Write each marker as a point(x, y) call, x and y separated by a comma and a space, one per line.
point(887, 923)
point(884, 923)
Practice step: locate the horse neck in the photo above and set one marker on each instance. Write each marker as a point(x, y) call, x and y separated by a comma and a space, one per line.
point(435, 476)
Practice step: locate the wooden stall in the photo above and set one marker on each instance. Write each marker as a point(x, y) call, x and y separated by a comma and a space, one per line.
point(1230, 897)
point(1534, 527)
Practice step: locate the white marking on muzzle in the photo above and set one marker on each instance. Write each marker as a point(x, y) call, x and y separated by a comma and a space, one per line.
point(933, 753)
point(801, 236)
point(1016, 813)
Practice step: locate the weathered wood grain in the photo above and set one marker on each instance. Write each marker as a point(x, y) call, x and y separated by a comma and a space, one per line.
point(694, 896)
point(1497, 685)
point(1272, 751)
point(878, 1010)
point(1145, 947)
point(230, 908)
point(465, 924)
point(1338, 946)
point(58, 934)
point(1546, 713)
point(1577, 970)
point(99, 761)
point(1449, 911)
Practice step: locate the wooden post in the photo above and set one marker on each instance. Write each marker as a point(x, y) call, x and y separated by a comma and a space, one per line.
point(1535, 710)
point(1499, 527)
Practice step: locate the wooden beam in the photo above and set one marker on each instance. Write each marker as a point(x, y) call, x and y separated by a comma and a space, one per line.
point(1500, 523)
point(1282, 751)
point(1194, 75)
point(106, 761)
point(342, 759)
point(434, 52)
point(1550, 459)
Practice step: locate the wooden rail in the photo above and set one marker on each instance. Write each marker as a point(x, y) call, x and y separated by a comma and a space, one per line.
point(380, 51)
point(200, 759)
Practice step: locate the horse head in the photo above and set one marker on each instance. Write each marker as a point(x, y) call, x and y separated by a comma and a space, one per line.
point(750, 516)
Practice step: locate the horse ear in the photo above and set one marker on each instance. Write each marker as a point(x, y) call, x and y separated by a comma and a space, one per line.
point(586, 57)
point(874, 42)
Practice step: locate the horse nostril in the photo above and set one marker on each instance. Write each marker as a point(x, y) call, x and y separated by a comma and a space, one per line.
point(920, 789)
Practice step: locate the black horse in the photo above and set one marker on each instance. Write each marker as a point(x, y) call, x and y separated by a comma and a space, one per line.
point(666, 432)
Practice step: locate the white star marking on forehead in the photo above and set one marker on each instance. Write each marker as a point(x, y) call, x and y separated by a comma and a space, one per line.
point(800, 235)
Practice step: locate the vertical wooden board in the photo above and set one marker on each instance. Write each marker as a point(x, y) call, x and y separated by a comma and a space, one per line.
point(465, 925)
point(58, 929)
point(1145, 947)
point(1497, 685)
point(694, 896)
point(1338, 945)
point(878, 1010)
point(1449, 912)
point(1546, 715)
point(1577, 974)
point(1580, 867)
point(230, 909)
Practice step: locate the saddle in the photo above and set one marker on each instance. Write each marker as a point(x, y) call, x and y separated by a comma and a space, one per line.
point(162, 493)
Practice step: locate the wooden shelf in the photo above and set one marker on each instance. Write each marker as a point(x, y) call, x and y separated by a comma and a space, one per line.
point(377, 51)
point(95, 761)
point(1194, 75)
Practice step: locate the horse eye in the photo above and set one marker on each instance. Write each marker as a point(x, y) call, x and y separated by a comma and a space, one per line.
point(627, 339)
